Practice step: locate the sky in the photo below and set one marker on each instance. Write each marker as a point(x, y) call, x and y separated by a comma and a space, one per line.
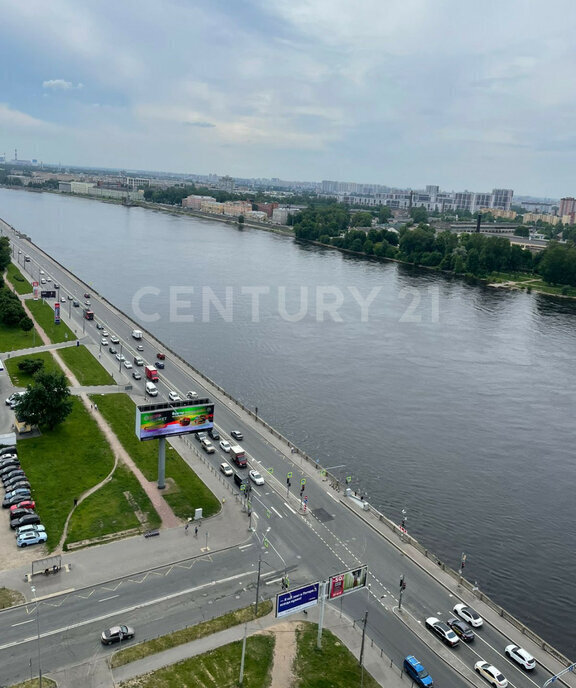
point(466, 95)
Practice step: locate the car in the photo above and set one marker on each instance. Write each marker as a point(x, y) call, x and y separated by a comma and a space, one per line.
point(201, 436)
point(16, 491)
point(76, 303)
point(462, 629)
point(442, 630)
point(7, 458)
point(30, 528)
point(99, 326)
point(136, 374)
point(10, 467)
point(207, 446)
point(17, 483)
point(13, 477)
point(43, 281)
point(56, 285)
point(12, 451)
point(256, 478)
point(116, 634)
point(26, 520)
point(63, 299)
point(19, 250)
point(174, 396)
point(9, 471)
point(48, 278)
point(225, 445)
point(138, 361)
point(491, 674)
point(32, 537)
point(87, 302)
point(42, 272)
point(17, 495)
point(214, 434)
point(120, 357)
point(127, 365)
point(469, 615)
point(105, 333)
point(160, 356)
point(140, 347)
point(24, 504)
point(17, 400)
point(13, 398)
point(114, 339)
point(112, 349)
point(520, 656)
point(160, 365)
point(104, 341)
point(237, 435)
point(19, 512)
point(86, 295)
point(191, 395)
point(226, 468)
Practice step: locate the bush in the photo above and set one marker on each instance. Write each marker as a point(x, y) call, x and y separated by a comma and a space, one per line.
point(30, 365)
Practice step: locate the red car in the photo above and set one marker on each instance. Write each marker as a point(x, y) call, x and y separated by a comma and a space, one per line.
point(86, 295)
point(160, 356)
point(25, 504)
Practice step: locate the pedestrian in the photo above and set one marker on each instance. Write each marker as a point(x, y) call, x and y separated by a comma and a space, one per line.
point(91, 406)
point(95, 407)
point(75, 502)
point(196, 531)
point(186, 528)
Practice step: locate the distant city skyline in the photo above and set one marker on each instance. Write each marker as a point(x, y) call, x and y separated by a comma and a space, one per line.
point(467, 96)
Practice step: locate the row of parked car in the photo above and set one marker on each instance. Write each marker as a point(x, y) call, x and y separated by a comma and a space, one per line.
point(18, 500)
point(460, 627)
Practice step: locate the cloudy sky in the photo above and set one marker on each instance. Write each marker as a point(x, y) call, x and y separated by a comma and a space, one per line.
point(467, 95)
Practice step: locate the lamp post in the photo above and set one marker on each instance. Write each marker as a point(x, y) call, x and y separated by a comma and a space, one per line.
point(38, 636)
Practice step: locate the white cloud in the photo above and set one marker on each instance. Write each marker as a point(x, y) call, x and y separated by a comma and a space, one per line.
point(14, 120)
point(61, 85)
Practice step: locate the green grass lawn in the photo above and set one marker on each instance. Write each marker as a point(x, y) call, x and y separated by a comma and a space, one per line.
point(20, 379)
point(189, 493)
point(14, 339)
point(43, 314)
point(22, 285)
point(85, 367)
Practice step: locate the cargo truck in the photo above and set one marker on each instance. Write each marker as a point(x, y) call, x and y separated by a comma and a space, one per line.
point(88, 314)
point(238, 455)
point(137, 334)
point(151, 373)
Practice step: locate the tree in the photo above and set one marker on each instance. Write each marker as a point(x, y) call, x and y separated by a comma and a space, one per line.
point(4, 253)
point(30, 365)
point(384, 214)
point(419, 214)
point(522, 231)
point(361, 219)
point(46, 402)
point(26, 324)
point(240, 219)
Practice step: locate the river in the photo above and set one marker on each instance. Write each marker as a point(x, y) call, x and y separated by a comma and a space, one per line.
point(452, 401)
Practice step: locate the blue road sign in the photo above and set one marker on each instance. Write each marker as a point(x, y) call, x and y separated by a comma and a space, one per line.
point(297, 600)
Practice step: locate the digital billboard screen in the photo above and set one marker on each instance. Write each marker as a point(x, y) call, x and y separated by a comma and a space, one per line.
point(171, 419)
point(350, 581)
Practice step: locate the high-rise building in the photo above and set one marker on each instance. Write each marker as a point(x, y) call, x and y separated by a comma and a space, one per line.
point(502, 198)
point(567, 206)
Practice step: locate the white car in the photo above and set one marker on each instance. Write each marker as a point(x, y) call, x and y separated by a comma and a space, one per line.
point(104, 333)
point(104, 341)
point(191, 395)
point(31, 527)
point(174, 396)
point(120, 357)
point(114, 339)
point(139, 347)
point(31, 538)
point(256, 478)
point(469, 615)
point(225, 445)
point(63, 299)
point(520, 656)
point(226, 469)
point(491, 674)
point(43, 281)
point(127, 364)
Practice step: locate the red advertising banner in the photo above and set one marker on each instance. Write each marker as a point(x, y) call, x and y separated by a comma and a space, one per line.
point(350, 581)
point(57, 313)
point(35, 286)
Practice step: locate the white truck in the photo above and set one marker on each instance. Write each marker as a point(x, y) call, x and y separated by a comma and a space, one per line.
point(238, 455)
point(137, 334)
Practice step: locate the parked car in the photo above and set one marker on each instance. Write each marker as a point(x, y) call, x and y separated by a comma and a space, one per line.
point(24, 504)
point(15, 482)
point(31, 538)
point(137, 375)
point(491, 674)
point(226, 469)
point(442, 630)
point(174, 396)
point(8, 450)
point(160, 356)
point(10, 467)
point(469, 615)
point(12, 472)
point(462, 629)
point(116, 634)
point(28, 519)
point(225, 445)
point(520, 656)
point(12, 398)
point(114, 339)
point(30, 528)
point(191, 395)
point(15, 497)
point(256, 478)
point(20, 511)
point(237, 435)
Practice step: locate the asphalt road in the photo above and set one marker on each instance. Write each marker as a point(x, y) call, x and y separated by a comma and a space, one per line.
point(327, 540)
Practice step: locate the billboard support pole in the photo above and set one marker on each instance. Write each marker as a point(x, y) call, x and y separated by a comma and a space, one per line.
point(258, 585)
point(161, 463)
point(321, 616)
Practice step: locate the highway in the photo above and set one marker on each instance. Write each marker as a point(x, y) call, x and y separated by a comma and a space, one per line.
point(326, 539)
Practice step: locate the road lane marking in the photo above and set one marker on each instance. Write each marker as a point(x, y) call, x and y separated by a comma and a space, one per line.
point(289, 508)
point(21, 623)
point(277, 512)
point(331, 495)
point(105, 599)
point(246, 546)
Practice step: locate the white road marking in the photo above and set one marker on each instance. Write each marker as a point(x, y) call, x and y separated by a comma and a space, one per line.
point(246, 546)
point(330, 495)
point(22, 623)
point(104, 599)
point(289, 508)
point(277, 512)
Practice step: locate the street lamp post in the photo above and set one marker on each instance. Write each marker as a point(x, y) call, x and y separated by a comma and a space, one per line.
point(38, 636)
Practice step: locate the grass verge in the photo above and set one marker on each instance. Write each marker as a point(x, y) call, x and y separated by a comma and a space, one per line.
point(185, 492)
point(43, 314)
point(9, 598)
point(186, 635)
point(220, 667)
point(20, 283)
point(85, 367)
point(20, 379)
point(35, 683)
point(13, 339)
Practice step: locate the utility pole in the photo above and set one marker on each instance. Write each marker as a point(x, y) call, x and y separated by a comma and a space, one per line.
point(462, 563)
point(402, 588)
point(258, 585)
point(363, 638)
point(321, 615)
point(243, 655)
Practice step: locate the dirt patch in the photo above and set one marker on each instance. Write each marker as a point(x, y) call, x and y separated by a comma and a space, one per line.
point(284, 654)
